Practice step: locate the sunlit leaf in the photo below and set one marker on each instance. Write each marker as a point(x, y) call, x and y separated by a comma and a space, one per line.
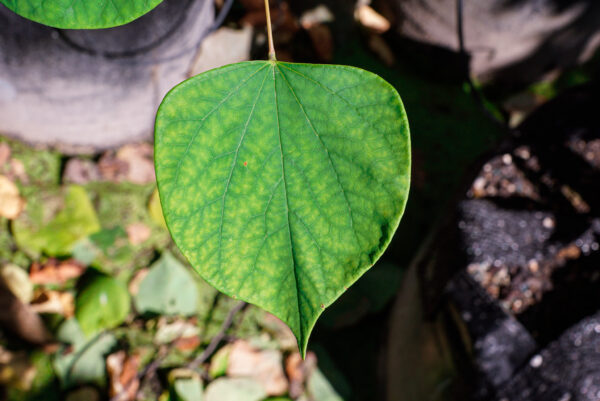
point(81, 14)
point(57, 237)
point(101, 304)
point(283, 183)
point(168, 289)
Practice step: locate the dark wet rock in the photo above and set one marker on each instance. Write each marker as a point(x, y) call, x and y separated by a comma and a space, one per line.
point(568, 369)
point(499, 343)
point(515, 275)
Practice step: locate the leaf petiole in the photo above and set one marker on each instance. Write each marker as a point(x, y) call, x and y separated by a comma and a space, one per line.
point(272, 56)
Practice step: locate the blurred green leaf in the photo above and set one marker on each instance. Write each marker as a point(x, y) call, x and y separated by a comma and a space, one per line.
point(84, 363)
point(167, 289)
point(185, 386)
point(76, 220)
point(234, 389)
point(82, 14)
point(285, 204)
point(107, 237)
point(41, 167)
point(101, 304)
point(219, 361)
point(155, 210)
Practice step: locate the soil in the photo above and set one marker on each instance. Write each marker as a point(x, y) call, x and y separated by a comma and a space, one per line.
point(530, 224)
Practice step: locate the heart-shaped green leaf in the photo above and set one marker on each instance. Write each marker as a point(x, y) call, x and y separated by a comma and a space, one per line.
point(81, 14)
point(283, 183)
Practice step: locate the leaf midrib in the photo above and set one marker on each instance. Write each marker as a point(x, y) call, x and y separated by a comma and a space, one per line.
point(287, 211)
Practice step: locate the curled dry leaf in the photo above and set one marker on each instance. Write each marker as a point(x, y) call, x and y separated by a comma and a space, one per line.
point(265, 366)
point(11, 204)
point(138, 233)
point(55, 271)
point(371, 19)
point(122, 372)
point(49, 301)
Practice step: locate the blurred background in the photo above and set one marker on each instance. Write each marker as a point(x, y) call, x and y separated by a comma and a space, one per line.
point(490, 289)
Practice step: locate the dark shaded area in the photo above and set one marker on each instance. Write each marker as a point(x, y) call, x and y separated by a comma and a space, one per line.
point(518, 315)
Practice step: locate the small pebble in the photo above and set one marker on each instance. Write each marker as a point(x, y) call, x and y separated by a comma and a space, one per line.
point(548, 222)
point(536, 361)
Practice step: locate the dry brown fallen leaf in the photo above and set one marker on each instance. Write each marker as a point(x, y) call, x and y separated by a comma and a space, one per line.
point(263, 365)
point(11, 204)
point(140, 161)
point(122, 372)
point(138, 233)
point(187, 343)
point(298, 371)
point(371, 19)
point(55, 271)
point(133, 163)
point(50, 301)
point(80, 171)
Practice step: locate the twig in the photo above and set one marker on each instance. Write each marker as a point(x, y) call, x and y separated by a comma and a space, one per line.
point(150, 369)
point(459, 26)
point(216, 340)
